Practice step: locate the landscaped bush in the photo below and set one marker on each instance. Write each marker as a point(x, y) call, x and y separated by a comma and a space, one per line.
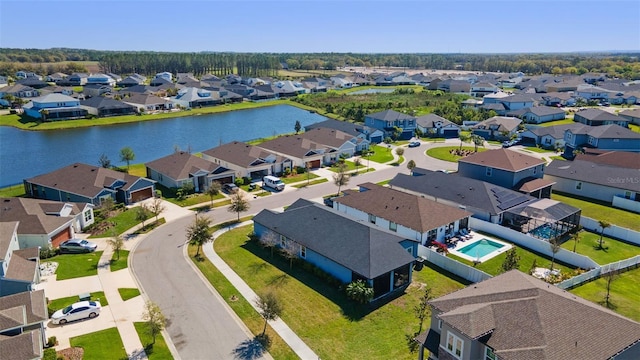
point(239, 182)
point(246, 180)
point(48, 252)
point(52, 341)
point(49, 354)
point(359, 291)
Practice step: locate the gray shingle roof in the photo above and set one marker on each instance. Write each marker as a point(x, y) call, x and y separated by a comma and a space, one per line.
point(104, 103)
point(599, 115)
point(591, 172)
point(34, 308)
point(35, 215)
point(293, 145)
point(180, 164)
point(389, 115)
point(344, 126)
point(360, 247)
point(557, 131)
point(504, 123)
point(429, 120)
point(504, 159)
point(241, 154)
point(25, 346)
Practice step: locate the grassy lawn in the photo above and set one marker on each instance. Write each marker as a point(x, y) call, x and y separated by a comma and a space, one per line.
point(557, 157)
point(298, 178)
point(278, 349)
point(350, 166)
point(634, 127)
point(381, 154)
point(128, 293)
point(444, 153)
point(72, 266)
point(137, 170)
point(557, 122)
point(614, 250)
point(12, 191)
point(120, 263)
point(537, 149)
point(332, 325)
point(105, 344)
point(157, 351)
point(600, 211)
point(57, 304)
point(625, 296)
point(493, 266)
point(312, 182)
point(384, 182)
point(123, 222)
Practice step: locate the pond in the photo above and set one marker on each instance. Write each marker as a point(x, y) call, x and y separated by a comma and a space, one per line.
point(24, 154)
point(372, 91)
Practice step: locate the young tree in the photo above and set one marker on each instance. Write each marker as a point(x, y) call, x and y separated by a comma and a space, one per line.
point(269, 239)
point(359, 291)
point(239, 203)
point(399, 151)
point(116, 242)
point(307, 168)
point(297, 127)
point(411, 165)
point(199, 232)
point(141, 213)
point(104, 161)
point(357, 162)
point(290, 250)
point(555, 247)
point(107, 206)
point(341, 178)
point(609, 278)
point(155, 319)
point(511, 261)
point(213, 190)
point(576, 238)
point(156, 207)
point(269, 307)
point(477, 141)
point(464, 138)
point(422, 309)
point(127, 155)
point(603, 224)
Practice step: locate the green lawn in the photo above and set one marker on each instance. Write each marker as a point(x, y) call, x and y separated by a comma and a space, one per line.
point(120, 263)
point(123, 222)
point(493, 266)
point(72, 266)
point(381, 155)
point(557, 122)
point(128, 293)
point(614, 250)
point(105, 344)
point(12, 191)
point(557, 157)
point(444, 153)
point(137, 170)
point(297, 178)
point(634, 127)
point(157, 351)
point(349, 164)
point(384, 182)
point(57, 304)
point(312, 182)
point(599, 211)
point(538, 150)
point(332, 325)
point(625, 296)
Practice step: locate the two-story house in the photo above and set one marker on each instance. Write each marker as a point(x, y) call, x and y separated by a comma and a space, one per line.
point(603, 137)
point(19, 269)
point(53, 107)
point(388, 120)
point(437, 126)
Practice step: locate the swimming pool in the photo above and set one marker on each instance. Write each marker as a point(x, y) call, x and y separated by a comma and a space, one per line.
point(544, 232)
point(481, 248)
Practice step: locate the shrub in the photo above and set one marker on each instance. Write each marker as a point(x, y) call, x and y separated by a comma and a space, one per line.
point(359, 291)
point(52, 341)
point(300, 170)
point(49, 354)
point(239, 182)
point(48, 252)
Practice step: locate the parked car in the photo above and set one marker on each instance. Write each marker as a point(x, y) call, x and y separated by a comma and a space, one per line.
point(510, 143)
point(414, 144)
point(230, 188)
point(75, 246)
point(76, 311)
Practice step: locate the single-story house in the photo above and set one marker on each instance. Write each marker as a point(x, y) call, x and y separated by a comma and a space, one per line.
point(353, 129)
point(19, 269)
point(87, 183)
point(75, 79)
point(247, 160)
point(52, 107)
point(538, 114)
point(32, 82)
point(549, 137)
point(411, 216)
point(497, 127)
point(518, 101)
point(558, 99)
point(164, 75)
point(181, 168)
point(100, 79)
point(102, 106)
point(22, 331)
point(148, 102)
point(515, 316)
point(18, 90)
point(632, 115)
point(302, 149)
point(604, 137)
point(96, 90)
point(481, 89)
point(132, 81)
point(192, 97)
point(341, 142)
point(437, 126)
point(388, 120)
point(45, 223)
point(597, 117)
point(340, 245)
point(591, 92)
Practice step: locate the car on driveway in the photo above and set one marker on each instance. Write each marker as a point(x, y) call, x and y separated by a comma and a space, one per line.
point(75, 246)
point(230, 188)
point(77, 311)
point(414, 144)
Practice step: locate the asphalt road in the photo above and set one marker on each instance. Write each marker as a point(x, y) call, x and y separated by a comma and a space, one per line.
point(199, 322)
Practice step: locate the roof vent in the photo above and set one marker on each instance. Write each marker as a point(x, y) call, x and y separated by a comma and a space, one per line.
point(7, 200)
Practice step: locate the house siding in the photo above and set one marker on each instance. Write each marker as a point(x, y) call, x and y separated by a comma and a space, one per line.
point(500, 177)
point(589, 190)
point(12, 286)
point(30, 240)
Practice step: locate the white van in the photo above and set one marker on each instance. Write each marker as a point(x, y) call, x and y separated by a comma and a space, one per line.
point(273, 182)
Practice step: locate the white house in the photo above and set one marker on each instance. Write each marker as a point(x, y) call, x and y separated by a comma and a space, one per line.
point(55, 107)
point(165, 75)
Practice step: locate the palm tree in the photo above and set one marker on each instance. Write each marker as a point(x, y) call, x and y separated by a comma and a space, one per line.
point(576, 238)
point(477, 141)
point(555, 247)
point(464, 138)
point(603, 224)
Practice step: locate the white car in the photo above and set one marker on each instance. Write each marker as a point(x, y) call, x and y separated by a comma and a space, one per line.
point(77, 311)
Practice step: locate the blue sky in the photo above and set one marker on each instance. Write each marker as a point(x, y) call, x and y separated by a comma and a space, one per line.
point(427, 26)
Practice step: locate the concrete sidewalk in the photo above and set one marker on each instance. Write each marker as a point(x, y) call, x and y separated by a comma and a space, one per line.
point(297, 345)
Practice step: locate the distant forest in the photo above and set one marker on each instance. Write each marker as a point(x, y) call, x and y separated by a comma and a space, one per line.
point(621, 65)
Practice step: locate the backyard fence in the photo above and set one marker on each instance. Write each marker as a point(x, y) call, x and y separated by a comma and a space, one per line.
point(464, 271)
point(598, 272)
point(612, 231)
point(529, 242)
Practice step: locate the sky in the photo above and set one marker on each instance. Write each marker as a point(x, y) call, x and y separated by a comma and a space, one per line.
point(371, 26)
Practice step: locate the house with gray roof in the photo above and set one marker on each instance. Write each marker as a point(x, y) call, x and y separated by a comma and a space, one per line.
point(19, 269)
point(597, 117)
point(182, 168)
point(22, 329)
point(147, 102)
point(192, 97)
point(32, 82)
point(340, 245)
point(45, 223)
point(247, 160)
point(18, 90)
point(353, 129)
point(603, 137)
point(102, 106)
point(558, 99)
point(515, 316)
point(538, 114)
point(409, 215)
point(549, 137)
point(497, 127)
point(388, 120)
point(632, 115)
point(517, 101)
point(86, 183)
point(437, 126)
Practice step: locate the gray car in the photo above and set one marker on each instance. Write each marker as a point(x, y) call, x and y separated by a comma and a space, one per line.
point(75, 246)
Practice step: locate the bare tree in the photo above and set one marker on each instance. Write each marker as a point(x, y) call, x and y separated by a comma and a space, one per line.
point(155, 319)
point(104, 161)
point(214, 190)
point(290, 250)
point(357, 162)
point(107, 206)
point(609, 278)
point(239, 203)
point(269, 307)
point(341, 178)
point(269, 239)
point(116, 242)
point(156, 207)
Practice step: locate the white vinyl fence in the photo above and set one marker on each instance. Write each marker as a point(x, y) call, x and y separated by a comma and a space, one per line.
point(532, 243)
point(464, 271)
point(612, 231)
point(597, 272)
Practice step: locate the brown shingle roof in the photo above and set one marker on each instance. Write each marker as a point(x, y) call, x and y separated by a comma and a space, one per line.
point(504, 123)
point(33, 302)
point(180, 164)
point(33, 215)
point(327, 136)
point(25, 346)
point(414, 212)
point(528, 318)
point(21, 269)
point(294, 145)
point(624, 159)
point(503, 159)
point(239, 153)
point(535, 184)
point(7, 228)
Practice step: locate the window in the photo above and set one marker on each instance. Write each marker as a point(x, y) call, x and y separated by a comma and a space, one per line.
point(372, 218)
point(489, 171)
point(627, 194)
point(393, 226)
point(489, 354)
point(439, 324)
point(454, 345)
point(432, 235)
point(535, 170)
point(87, 215)
point(283, 240)
point(579, 185)
point(303, 252)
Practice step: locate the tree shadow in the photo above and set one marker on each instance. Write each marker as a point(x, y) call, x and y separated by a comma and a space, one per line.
point(603, 248)
point(250, 349)
point(256, 267)
point(279, 280)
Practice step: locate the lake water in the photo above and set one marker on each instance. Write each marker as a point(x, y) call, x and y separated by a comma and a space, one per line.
point(24, 154)
point(372, 91)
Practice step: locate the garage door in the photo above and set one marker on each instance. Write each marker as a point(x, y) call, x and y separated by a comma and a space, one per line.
point(450, 133)
point(141, 194)
point(315, 164)
point(225, 180)
point(60, 237)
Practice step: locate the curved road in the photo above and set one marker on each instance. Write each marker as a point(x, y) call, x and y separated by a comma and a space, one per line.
point(200, 323)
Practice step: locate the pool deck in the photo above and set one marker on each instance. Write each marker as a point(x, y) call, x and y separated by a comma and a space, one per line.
point(475, 238)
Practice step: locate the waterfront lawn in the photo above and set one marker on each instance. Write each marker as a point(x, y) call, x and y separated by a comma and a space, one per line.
point(444, 153)
point(128, 293)
point(381, 154)
point(137, 170)
point(614, 250)
point(12, 191)
point(119, 263)
point(57, 304)
point(600, 211)
point(624, 294)
point(331, 324)
point(104, 344)
point(72, 266)
point(157, 351)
